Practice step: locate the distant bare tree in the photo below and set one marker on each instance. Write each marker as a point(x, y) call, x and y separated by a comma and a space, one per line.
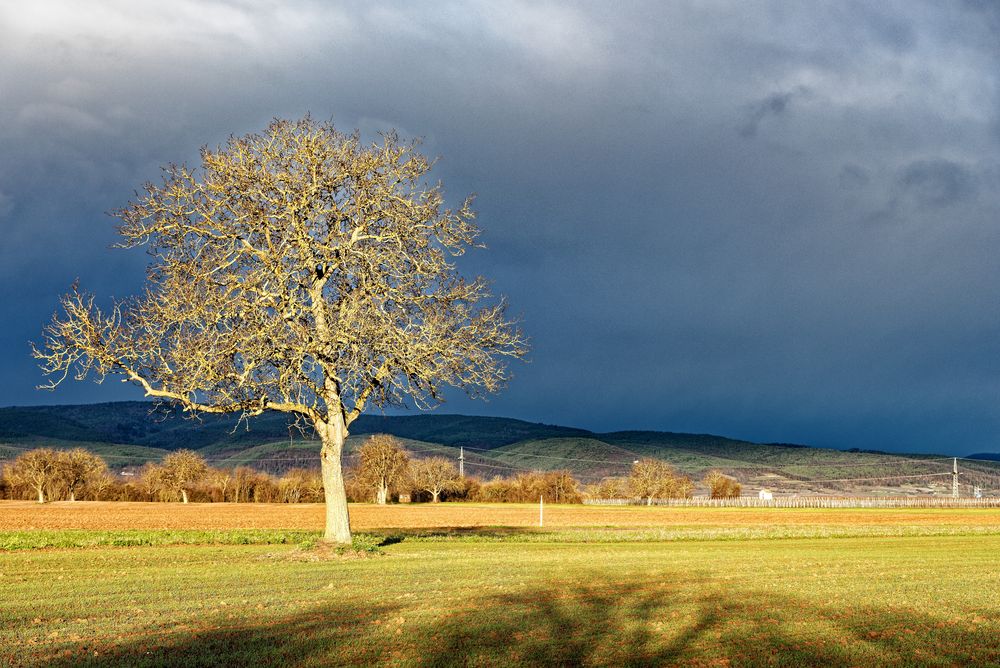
point(561, 487)
point(220, 480)
point(554, 486)
point(434, 475)
point(722, 486)
point(300, 485)
point(656, 479)
point(314, 487)
point(683, 488)
point(99, 485)
point(77, 468)
point(181, 470)
point(153, 482)
point(383, 464)
point(245, 480)
point(609, 488)
point(175, 476)
point(36, 468)
point(300, 271)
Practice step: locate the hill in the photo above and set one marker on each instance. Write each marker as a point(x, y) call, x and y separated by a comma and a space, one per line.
point(132, 433)
point(144, 423)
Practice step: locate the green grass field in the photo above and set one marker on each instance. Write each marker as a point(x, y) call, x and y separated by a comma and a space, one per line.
point(501, 596)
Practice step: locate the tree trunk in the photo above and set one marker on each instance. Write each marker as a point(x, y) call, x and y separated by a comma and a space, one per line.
point(41, 493)
point(649, 500)
point(338, 522)
point(383, 495)
point(435, 495)
point(184, 496)
point(72, 495)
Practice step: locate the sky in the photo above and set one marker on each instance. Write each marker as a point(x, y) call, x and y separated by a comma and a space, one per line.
point(777, 221)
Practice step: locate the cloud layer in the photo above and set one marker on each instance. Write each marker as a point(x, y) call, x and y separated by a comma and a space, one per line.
point(777, 221)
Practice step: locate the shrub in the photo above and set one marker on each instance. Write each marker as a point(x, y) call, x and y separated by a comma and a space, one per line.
point(554, 486)
point(609, 488)
point(721, 486)
point(300, 486)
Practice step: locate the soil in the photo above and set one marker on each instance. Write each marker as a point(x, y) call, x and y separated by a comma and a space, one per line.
point(26, 515)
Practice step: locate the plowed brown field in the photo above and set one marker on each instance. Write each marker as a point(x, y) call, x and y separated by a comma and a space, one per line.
point(24, 515)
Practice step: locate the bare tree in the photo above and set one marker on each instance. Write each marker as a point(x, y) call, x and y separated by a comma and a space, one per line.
point(78, 467)
point(299, 485)
point(609, 488)
point(153, 481)
point(99, 484)
point(383, 464)
point(314, 487)
point(245, 480)
point(653, 478)
point(722, 486)
point(682, 488)
point(181, 470)
point(220, 480)
point(36, 468)
point(561, 487)
point(302, 271)
point(434, 475)
point(554, 486)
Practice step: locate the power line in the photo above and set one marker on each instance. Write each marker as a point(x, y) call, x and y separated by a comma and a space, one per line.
point(565, 459)
point(889, 459)
point(499, 466)
point(885, 462)
point(882, 477)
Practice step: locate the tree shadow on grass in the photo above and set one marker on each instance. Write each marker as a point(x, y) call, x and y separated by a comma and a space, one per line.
point(393, 536)
point(624, 623)
point(326, 635)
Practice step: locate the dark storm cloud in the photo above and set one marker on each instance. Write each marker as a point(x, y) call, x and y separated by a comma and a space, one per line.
point(854, 176)
point(825, 273)
point(936, 183)
point(772, 105)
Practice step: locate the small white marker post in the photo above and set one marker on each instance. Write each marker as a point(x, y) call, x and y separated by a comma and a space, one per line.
point(954, 478)
point(541, 511)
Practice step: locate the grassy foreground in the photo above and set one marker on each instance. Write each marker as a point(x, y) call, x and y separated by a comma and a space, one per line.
point(446, 599)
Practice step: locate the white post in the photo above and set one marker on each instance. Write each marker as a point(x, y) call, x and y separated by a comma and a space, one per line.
point(461, 462)
point(541, 511)
point(954, 478)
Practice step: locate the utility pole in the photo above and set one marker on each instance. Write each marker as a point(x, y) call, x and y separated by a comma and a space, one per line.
point(954, 477)
point(461, 462)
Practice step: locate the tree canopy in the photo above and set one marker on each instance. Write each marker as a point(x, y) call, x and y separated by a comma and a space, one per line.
point(76, 467)
point(434, 475)
point(298, 270)
point(383, 464)
point(35, 468)
point(654, 478)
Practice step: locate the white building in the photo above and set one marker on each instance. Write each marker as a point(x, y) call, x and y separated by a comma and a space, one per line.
point(765, 495)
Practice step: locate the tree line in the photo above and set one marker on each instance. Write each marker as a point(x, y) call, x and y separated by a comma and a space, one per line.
point(385, 471)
